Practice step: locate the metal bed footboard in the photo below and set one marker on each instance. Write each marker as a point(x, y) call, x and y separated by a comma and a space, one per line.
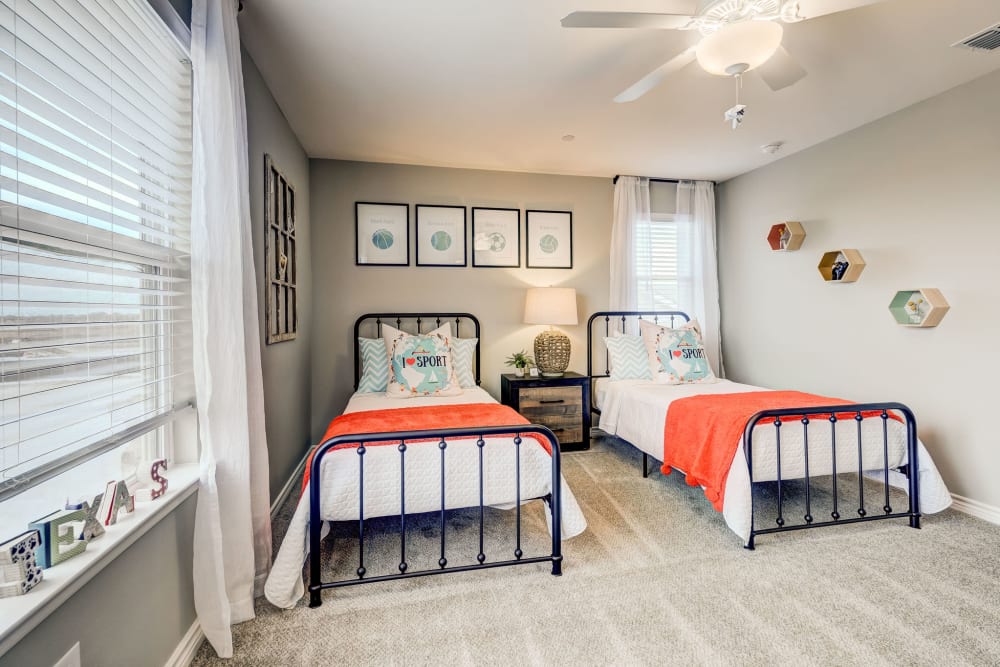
point(832, 415)
point(439, 438)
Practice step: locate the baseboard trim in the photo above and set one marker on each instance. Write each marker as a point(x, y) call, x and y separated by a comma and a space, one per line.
point(975, 508)
point(286, 490)
point(185, 651)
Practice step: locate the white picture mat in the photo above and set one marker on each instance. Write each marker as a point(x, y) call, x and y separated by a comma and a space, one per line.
point(553, 230)
point(491, 228)
point(385, 218)
point(445, 220)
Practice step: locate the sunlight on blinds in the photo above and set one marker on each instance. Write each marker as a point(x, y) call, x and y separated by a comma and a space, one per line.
point(95, 191)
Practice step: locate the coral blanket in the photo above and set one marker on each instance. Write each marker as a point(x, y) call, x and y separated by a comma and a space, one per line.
point(701, 433)
point(469, 415)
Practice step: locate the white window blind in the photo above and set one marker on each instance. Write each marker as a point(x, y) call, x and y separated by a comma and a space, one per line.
point(663, 272)
point(95, 179)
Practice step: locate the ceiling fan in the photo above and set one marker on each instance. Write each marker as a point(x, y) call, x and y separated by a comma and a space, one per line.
point(737, 36)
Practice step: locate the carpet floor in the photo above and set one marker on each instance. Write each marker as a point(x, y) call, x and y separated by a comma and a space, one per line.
point(656, 579)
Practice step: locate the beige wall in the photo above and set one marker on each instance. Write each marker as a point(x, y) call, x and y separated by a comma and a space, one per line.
point(286, 365)
point(917, 194)
point(343, 291)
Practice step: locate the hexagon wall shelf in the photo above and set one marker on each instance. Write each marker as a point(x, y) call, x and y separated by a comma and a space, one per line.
point(923, 307)
point(841, 266)
point(786, 236)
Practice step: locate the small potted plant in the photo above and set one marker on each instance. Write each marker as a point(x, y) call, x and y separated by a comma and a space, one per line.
point(520, 361)
point(915, 310)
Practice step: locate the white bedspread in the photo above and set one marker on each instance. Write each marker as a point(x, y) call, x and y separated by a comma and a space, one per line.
point(340, 478)
point(636, 410)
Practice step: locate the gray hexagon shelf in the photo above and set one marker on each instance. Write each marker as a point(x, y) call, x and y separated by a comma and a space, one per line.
point(841, 266)
point(786, 236)
point(923, 307)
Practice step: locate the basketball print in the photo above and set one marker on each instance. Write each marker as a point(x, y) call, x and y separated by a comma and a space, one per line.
point(382, 239)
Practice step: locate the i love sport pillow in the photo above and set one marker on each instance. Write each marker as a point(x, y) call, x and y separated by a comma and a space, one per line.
point(678, 355)
point(421, 366)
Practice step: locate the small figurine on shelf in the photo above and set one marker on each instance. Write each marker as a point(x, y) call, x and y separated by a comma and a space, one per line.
point(520, 361)
point(839, 269)
point(913, 308)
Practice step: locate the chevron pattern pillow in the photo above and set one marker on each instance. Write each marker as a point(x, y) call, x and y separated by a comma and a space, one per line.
point(462, 351)
point(629, 360)
point(374, 365)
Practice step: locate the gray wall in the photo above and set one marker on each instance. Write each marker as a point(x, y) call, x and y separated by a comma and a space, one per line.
point(133, 613)
point(286, 365)
point(495, 295)
point(916, 192)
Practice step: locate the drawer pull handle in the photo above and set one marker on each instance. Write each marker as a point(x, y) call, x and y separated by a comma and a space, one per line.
point(553, 400)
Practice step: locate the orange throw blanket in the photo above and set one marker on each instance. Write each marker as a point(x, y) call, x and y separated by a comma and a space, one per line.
point(701, 433)
point(469, 415)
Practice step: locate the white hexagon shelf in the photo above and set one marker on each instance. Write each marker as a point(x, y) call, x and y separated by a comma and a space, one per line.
point(923, 307)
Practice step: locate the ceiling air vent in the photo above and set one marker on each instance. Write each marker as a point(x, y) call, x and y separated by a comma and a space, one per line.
point(984, 40)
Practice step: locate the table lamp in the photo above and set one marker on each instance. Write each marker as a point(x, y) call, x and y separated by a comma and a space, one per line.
point(551, 305)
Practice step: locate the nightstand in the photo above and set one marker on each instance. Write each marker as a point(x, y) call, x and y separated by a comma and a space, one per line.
point(560, 403)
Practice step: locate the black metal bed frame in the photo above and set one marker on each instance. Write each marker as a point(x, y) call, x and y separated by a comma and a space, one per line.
point(806, 416)
point(439, 438)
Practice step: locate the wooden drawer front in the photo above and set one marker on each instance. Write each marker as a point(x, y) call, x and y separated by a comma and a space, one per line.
point(559, 408)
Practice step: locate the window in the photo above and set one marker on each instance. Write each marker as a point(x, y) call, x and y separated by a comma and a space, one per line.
point(663, 271)
point(95, 180)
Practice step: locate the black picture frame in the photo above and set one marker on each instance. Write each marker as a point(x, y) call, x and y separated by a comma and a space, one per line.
point(428, 253)
point(557, 226)
point(478, 256)
point(394, 217)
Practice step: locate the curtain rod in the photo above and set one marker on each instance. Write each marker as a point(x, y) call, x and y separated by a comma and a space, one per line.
point(654, 180)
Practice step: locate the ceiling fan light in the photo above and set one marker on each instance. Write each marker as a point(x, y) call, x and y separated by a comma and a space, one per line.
point(750, 42)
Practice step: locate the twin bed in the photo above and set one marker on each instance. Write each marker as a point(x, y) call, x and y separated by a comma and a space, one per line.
point(391, 468)
point(393, 458)
point(801, 450)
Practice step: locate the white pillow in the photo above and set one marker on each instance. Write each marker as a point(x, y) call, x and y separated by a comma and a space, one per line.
point(678, 355)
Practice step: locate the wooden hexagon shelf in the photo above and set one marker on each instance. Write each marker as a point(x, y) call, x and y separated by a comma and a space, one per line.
point(923, 307)
point(786, 236)
point(841, 266)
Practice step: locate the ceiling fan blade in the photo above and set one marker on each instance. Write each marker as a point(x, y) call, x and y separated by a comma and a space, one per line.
point(626, 20)
point(781, 70)
point(656, 77)
point(810, 9)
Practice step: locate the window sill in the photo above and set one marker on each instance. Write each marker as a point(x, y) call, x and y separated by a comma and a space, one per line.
point(19, 615)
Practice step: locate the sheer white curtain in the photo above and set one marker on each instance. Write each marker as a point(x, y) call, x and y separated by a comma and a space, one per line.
point(699, 294)
point(232, 540)
point(631, 209)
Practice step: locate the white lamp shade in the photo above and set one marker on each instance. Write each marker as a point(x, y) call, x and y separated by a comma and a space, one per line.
point(550, 305)
point(749, 42)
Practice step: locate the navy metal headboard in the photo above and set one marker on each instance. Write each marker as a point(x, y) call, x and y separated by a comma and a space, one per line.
point(620, 320)
point(414, 323)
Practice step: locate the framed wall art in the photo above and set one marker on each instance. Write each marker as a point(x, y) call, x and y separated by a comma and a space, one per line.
point(441, 236)
point(496, 237)
point(549, 239)
point(382, 233)
point(280, 307)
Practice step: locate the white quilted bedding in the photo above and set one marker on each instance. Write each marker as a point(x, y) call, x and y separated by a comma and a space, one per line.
point(635, 410)
point(340, 477)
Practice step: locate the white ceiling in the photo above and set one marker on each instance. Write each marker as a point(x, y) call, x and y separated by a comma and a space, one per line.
point(495, 84)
